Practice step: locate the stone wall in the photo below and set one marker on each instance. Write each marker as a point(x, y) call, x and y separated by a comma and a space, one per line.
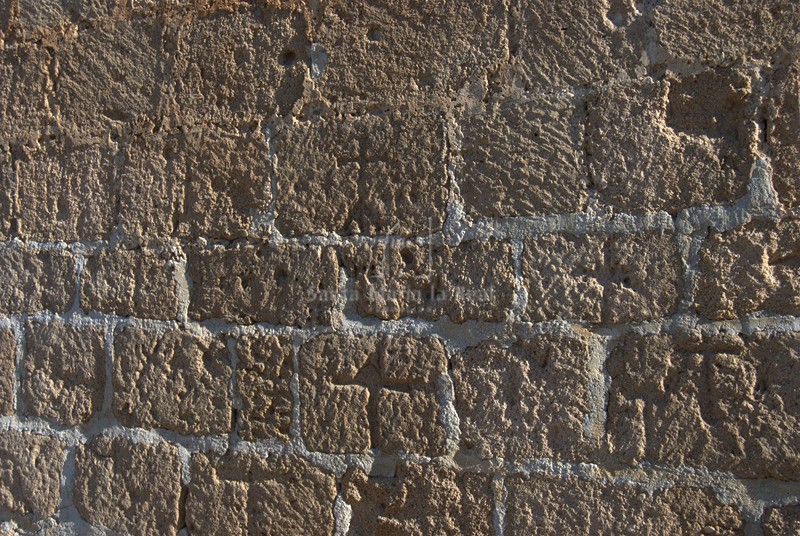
point(383, 267)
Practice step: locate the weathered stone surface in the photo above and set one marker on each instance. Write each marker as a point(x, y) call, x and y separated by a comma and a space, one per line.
point(138, 283)
point(8, 196)
point(33, 280)
point(67, 192)
point(726, 403)
point(718, 30)
point(178, 381)
point(361, 392)
point(576, 43)
point(782, 521)
point(545, 505)
point(523, 156)
point(752, 268)
point(674, 143)
point(228, 183)
point(30, 473)
point(602, 278)
point(46, 19)
point(8, 360)
point(246, 283)
point(420, 499)
point(526, 401)
point(242, 494)
point(241, 66)
point(471, 281)
point(64, 371)
point(128, 487)
point(110, 75)
point(383, 53)
point(783, 125)
point(24, 83)
point(263, 377)
point(381, 173)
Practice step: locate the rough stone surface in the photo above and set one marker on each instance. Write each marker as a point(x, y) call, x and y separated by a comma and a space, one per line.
point(751, 268)
point(141, 485)
point(472, 281)
point(64, 371)
point(782, 127)
point(24, 85)
point(783, 521)
point(526, 401)
point(177, 381)
point(263, 377)
point(359, 393)
point(602, 278)
point(293, 285)
point(728, 403)
point(35, 280)
point(30, 472)
point(254, 69)
point(8, 363)
point(242, 494)
point(380, 173)
point(419, 499)
point(673, 143)
point(544, 505)
point(137, 283)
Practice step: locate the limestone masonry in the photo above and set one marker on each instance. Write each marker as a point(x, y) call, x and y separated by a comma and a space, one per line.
point(480, 267)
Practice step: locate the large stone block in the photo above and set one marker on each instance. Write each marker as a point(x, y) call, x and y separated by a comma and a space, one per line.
point(24, 85)
point(8, 365)
point(783, 123)
point(178, 381)
point(33, 280)
point(30, 473)
point(530, 400)
point(546, 505)
point(64, 371)
point(673, 143)
point(725, 403)
point(242, 494)
point(360, 392)
point(752, 268)
point(419, 499)
point(128, 487)
point(246, 283)
point(381, 173)
point(602, 278)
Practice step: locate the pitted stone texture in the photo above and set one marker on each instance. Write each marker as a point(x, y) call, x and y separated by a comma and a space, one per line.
point(288, 284)
point(381, 173)
point(752, 268)
point(412, 50)
point(110, 76)
point(557, 44)
point(545, 505)
point(420, 499)
point(35, 280)
point(783, 124)
point(45, 19)
point(470, 281)
point(525, 401)
point(361, 392)
point(128, 487)
point(782, 521)
point(715, 31)
point(725, 403)
point(602, 278)
point(138, 283)
point(177, 381)
point(8, 196)
point(24, 84)
point(263, 378)
point(8, 360)
point(30, 473)
point(67, 192)
point(243, 494)
point(674, 143)
point(64, 371)
point(241, 66)
point(523, 156)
